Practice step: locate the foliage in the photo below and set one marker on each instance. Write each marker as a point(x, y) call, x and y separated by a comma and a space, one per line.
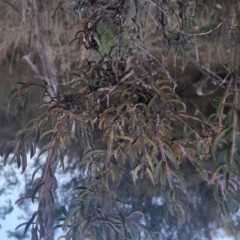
point(128, 95)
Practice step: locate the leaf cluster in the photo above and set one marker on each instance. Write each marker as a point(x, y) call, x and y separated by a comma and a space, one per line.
point(133, 104)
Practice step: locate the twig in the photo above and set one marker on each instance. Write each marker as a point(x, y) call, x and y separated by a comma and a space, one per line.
point(31, 64)
point(201, 34)
point(59, 5)
point(156, 5)
point(10, 5)
point(164, 69)
point(124, 78)
point(223, 81)
point(205, 69)
point(33, 67)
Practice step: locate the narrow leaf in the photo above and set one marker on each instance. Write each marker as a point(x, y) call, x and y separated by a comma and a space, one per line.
point(91, 152)
point(216, 170)
point(150, 174)
point(6, 156)
point(136, 172)
point(218, 138)
point(30, 221)
point(35, 191)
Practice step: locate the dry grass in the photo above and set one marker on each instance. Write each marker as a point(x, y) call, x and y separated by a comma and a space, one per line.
point(208, 37)
point(18, 36)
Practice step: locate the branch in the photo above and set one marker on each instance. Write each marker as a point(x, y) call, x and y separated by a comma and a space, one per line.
point(33, 67)
point(205, 69)
point(205, 33)
point(10, 5)
point(124, 78)
point(163, 68)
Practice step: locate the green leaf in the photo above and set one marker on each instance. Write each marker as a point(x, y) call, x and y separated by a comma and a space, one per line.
point(181, 180)
point(24, 161)
point(51, 198)
point(125, 137)
point(30, 221)
point(104, 178)
point(111, 224)
point(150, 175)
point(151, 102)
point(132, 213)
point(228, 118)
point(150, 162)
point(90, 153)
point(37, 134)
point(120, 108)
point(41, 153)
point(163, 172)
point(165, 208)
point(74, 232)
point(135, 140)
point(157, 171)
point(20, 225)
point(218, 138)
point(26, 97)
point(171, 207)
point(62, 165)
point(22, 198)
point(47, 132)
point(64, 211)
point(32, 147)
point(115, 171)
point(3, 147)
point(7, 155)
point(145, 108)
point(84, 189)
point(62, 142)
point(221, 101)
point(54, 182)
point(20, 83)
point(69, 217)
point(229, 156)
point(61, 237)
point(136, 170)
point(35, 190)
point(215, 102)
point(122, 219)
point(151, 144)
point(201, 171)
point(172, 158)
point(85, 226)
point(216, 170)
point(109, 110)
